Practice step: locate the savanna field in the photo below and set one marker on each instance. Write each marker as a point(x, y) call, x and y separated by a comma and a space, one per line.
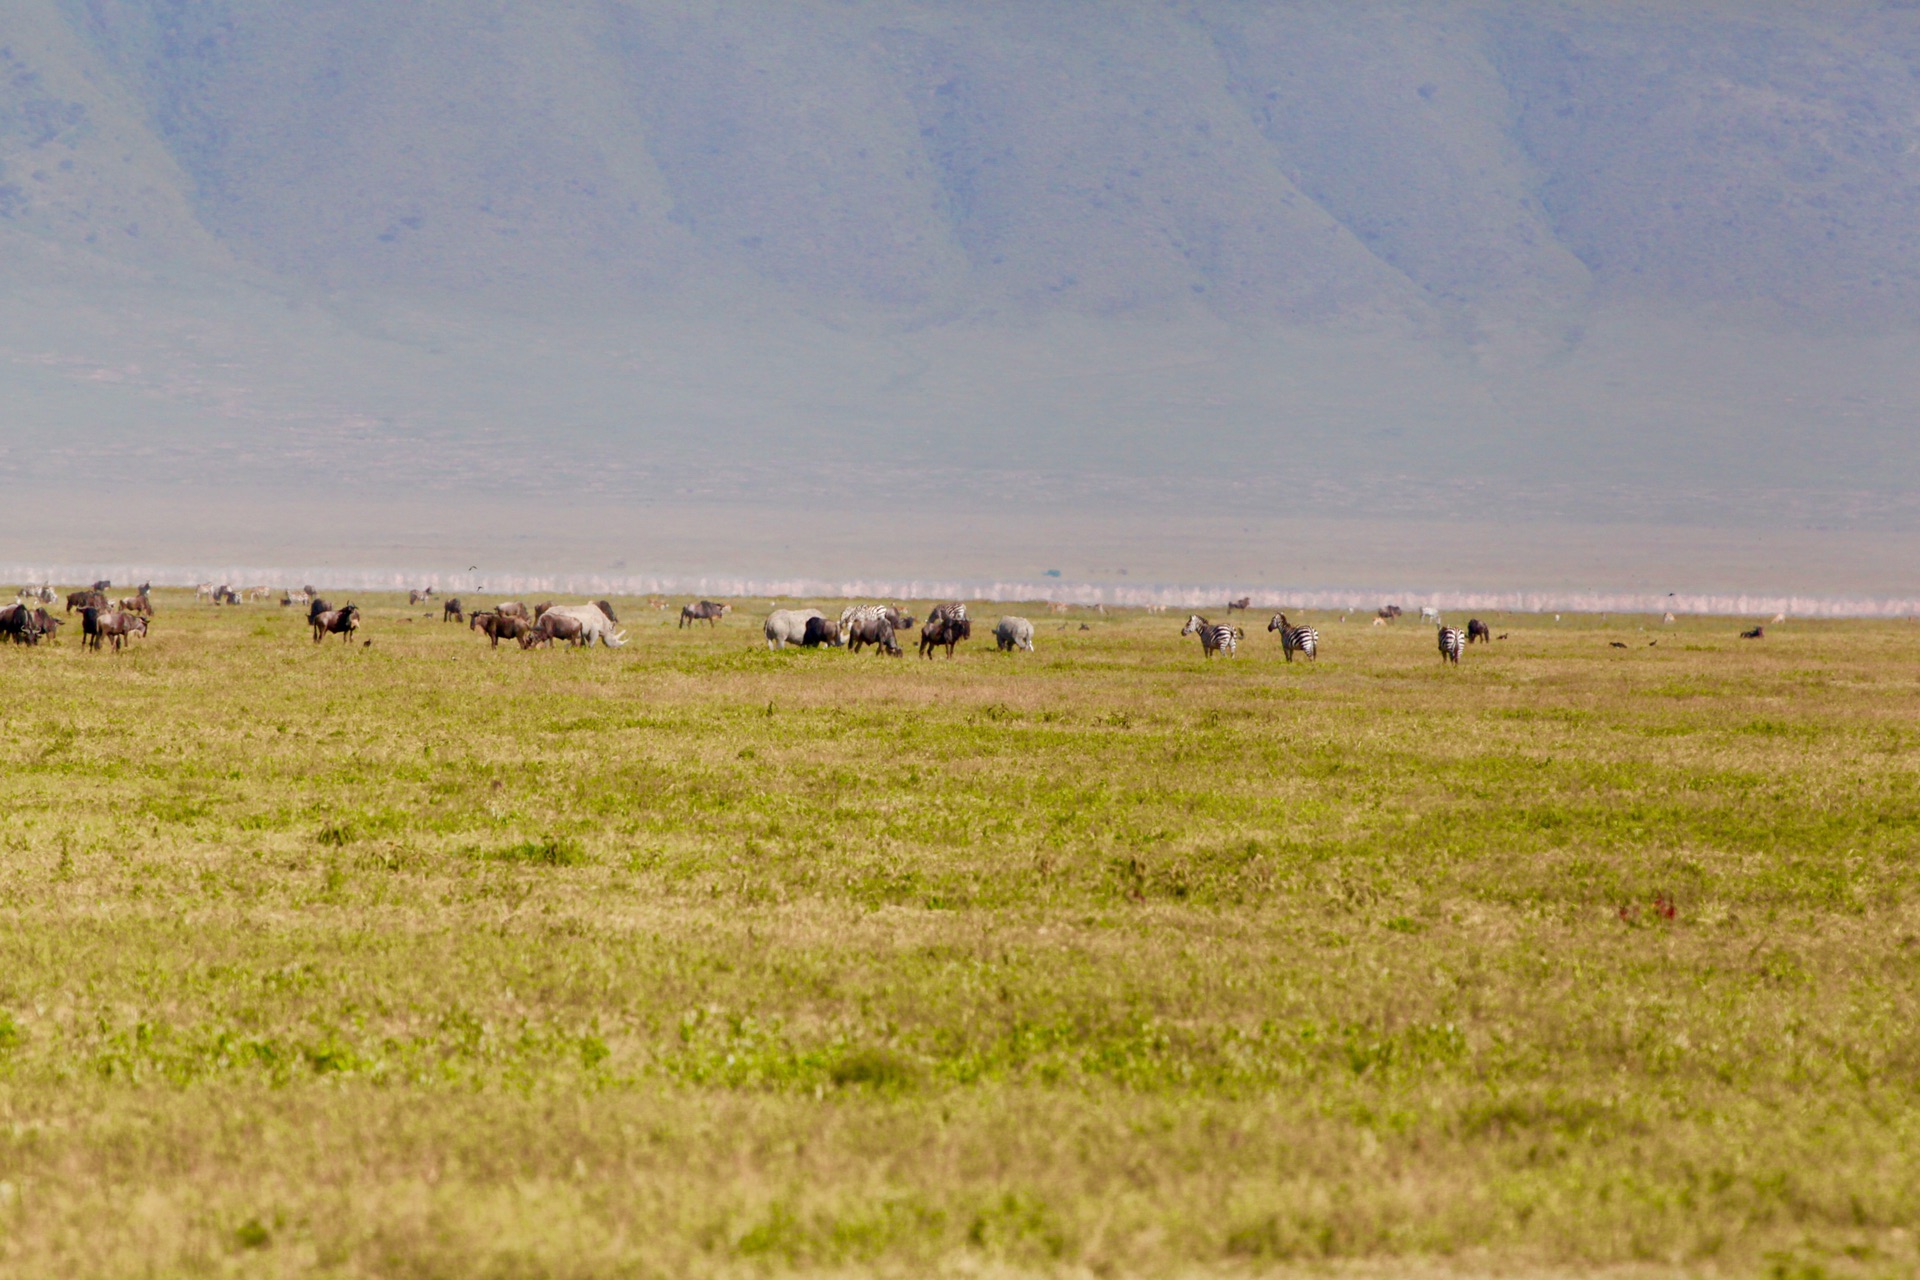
point(421, 959)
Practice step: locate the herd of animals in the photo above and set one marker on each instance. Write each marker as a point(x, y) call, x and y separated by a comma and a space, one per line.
point(105, 621)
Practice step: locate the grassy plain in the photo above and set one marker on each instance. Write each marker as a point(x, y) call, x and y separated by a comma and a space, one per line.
point(421, 959)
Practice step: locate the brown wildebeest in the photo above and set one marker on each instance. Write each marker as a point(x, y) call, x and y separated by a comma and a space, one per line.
point(1478, 630)
point(878, 632)
point(498, 626)
point(540, 610)
point(85, 600)
point(137, 604)
point(339, 622)
point(48, 624)
point(512, 609)
point(707, 611)
point(943, 630)
point(450, 611)
point(551, 627)
point(1243, 604)
point(117, 626)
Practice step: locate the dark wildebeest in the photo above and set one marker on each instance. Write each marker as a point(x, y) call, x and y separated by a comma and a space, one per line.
point(942, 630)
point(1757, 633)
point(540, 610)
point(1478, 630)
point(815, 632)
point(1243, 603)
point(341, 622)
point(89, 599)
point(499, 626)
point(117, 626)
point(450, 611)
point(1389, 612)
point(316, 607)
point(49, 626)
point(706, 611)
point(513, 609)
point(18, 624)
point(102, 585)
point(551, 627)
point(880, 631)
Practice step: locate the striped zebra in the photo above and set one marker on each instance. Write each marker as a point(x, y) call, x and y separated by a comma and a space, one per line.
point(854, 614)
point(1296, 639)
point(955, 612)
point(1452, 642)
point(1213, 635)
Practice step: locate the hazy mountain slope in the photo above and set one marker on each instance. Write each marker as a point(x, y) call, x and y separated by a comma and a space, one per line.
point(1594, 256)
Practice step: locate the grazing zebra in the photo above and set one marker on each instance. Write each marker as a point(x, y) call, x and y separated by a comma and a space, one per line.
point(954, 612)
point(1213, 635)
point(1452, 641)
point(1303, 639)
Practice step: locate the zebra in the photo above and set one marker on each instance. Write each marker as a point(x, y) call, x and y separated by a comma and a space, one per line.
point(954, 612)
point(1304, 639)
point(855, 614)
point(1213, 635)
point(1452, 641)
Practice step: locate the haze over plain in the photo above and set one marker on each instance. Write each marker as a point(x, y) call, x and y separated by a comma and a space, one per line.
point(1491, 293)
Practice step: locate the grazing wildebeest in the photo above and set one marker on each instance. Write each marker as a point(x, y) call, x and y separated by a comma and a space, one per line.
point(787, 626)
point(1243, 603)
point(943, 629)
point(596, 622)
point(540, 610)
point(1757, 633)
point(48, 625)
point(1388, 612)
point(137, 604)
point(1453, 641)
point(18, 624)
point(513, 609)
point(1214, 636)
point(707, 611)
point(825, 631)
point(1013, 633)
point(450, 611)
point(342, 622)
point(1295, 639)
point(103, 585)
point(552, 626)
point(1478, 630)
point(117, 626)
point(877, 630)
point(85, 599)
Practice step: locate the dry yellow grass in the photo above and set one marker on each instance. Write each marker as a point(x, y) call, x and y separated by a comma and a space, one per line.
point(422, 959)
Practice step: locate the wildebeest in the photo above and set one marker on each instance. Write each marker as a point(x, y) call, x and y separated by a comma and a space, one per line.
point(1757, 633)
point(1220, 637)
point(48, 625)
point(1388, 612)
point(85, 599)
point(1243, 603)
point(552, 626)
point(342, 622)
point(18, 624)
point(876, 629)
point(450, 611)
point(707, 611)
point(513, 609)
point(854, 614)
point(1478, 630)
point(825, 631)
point(117, 626)
point(943, 629)
point(596, 622)
point(1013, 633)
point(499, 626)
point(137, 604)
point(787, 626)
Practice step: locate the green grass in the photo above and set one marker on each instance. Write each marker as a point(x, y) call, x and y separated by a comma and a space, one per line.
point(423, 959)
